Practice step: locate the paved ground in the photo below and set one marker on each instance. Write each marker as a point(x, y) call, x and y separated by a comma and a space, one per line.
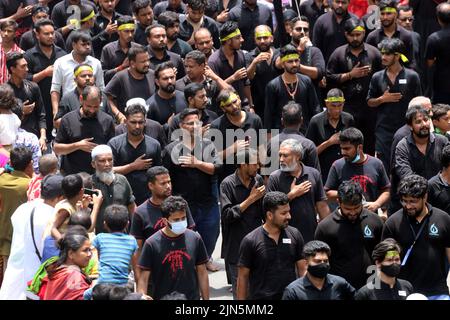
point(219, 288)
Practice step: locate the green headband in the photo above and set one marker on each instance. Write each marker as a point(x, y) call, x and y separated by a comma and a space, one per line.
point(389, 9)
point(237, 32)
point(290, 57)
point(83, 68)
point(335, 99)
point(90, 16)
point(126, 26)
point(230, 99)
point(391, 254)
point(359, 28)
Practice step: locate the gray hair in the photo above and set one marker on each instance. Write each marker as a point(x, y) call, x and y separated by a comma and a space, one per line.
point(294, 145)
point(419, 101)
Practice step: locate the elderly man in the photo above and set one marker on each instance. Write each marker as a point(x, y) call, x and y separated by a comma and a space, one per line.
point(114, 186)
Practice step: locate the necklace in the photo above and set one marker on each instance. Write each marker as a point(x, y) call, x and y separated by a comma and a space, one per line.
point(291, 90)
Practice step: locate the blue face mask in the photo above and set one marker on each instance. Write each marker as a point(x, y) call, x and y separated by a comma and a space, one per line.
point(178, 227)
point(358, 157)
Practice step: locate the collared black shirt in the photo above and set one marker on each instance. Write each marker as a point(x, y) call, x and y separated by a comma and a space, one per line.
point(426, 265)
point(235, 223)
point(168, 56)
point(71, 101)
point(102, 38)
point(310, 10)
point(164, 6)
point(351, 244)
point(271, 264)
point(123, 86)
point(194, 185)
point(303, 208)
point(160, 109)
point(113, 56)
point(181, 48)
point(334, 288)
point(401, 290)
point(61, 12)
point(38, 61)
point(124, 153)
point(264, 73)
point(438, 47)
point(186, 29)
point(439, 193)
point(139, 34)
point(36, 120)
point(124, 7)
point(152, 129)
point(118, 192)
point(248, 20)
point(9, 7)
point(313, 57)
point(277, 97)
point(212, 91)
point(328, 34)
point(74, 128)
point(207, 117)
point(219, 64)
point(355, 91)
point(409, 160)
point(28, 40)
point(320, 130)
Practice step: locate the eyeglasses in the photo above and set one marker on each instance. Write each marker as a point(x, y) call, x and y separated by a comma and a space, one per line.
point(304, 29)
point(407, 19)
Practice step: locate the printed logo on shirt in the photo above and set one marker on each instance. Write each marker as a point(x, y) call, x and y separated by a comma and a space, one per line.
point(434, 231)
point(363, 181)
point(368, 233)
point(175, 258)
point(159, 224)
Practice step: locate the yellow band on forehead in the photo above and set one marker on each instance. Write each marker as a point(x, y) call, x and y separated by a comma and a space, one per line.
point(126, 26)
point(391, 254)
point(335, 99)
point(403, 57)
point(90, 16)
point(237, 32)
point(359, 28)
point(230, 99)
point(263, 34)
point(290, 57)
point(389, 10)
point(83, 68)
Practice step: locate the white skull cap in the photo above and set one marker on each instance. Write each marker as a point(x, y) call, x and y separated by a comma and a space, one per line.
point(138, 101)
point(100, 149)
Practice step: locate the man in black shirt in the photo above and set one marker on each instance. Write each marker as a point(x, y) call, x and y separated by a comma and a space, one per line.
point(312, 9)
point(352, 232)
point(203, 41)
point(317, 284)
point(423, 233)
point(137, 81)
point(114, 54)
point(438, 54)
point(304, 188)
point(290, 86)
point(64, 10)
point(270, 257)
point(350, 69)
point(80, 132)
point(106, 24)
point(157, 49)
point(193, 158)
point(324, 129)
point(134, 152)
point(171, 22)
point(34, 118)
point(143, 12)
point(385, 284)
point(248, 15)
point(40, 65)
point(390, 91)
point(176, 6)
point(439, 188)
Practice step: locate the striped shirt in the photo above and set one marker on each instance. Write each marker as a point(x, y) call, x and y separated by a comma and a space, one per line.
point(115, 252)
point(4, 74)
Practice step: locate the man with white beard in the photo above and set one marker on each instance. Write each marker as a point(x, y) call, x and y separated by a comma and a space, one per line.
point(303, 186)
point(114, 187)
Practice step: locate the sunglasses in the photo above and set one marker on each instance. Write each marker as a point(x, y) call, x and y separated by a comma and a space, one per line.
point(407, 19)
point(298, 29)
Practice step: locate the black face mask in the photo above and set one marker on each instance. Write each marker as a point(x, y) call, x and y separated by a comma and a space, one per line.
point(319, 270)
point(392, 270)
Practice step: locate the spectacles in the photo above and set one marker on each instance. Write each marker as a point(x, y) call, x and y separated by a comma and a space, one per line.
point(407, 19)
point(304, 29)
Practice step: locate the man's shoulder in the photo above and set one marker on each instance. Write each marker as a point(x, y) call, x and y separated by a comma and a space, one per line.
point(117, 140)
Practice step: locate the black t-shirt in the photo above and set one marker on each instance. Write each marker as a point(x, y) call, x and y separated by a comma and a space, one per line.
point(147, 220)
point(439, 193)
point(160, 109)
point(351, 244)
point(172, 263)
point(370, 174)
point(303, 209)
point(401, 290)
point(426, 266)
point(271, 264)
point(28, 40)
point(438, 47)
point(152, 129)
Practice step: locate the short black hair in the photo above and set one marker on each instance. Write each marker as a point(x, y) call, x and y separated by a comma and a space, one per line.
point(173, 204)
point(439, 110)
point(392, 46)
point(20, 158)
point(12, 58)
point(7, 97)
point(288, 49)
point(41, 23)
point(380, 250)
point(292, 114)
point(245, 156)
point(155, 171)
point(414, 186)
point(353, 23)
point(272, 200)
point(101, 291)
point(443, 13)
point(191, 89)
point(313, 247)
point(39, 8)
point(140, 4)
point(71, 185)
point(187, 112)
point(163, 66)
point(81, 218)
point(80, 36)
point(227, 28)
point(196, 55)
point(445, 156)
point(149, 29)
point(124, 20)
point(350, 192)
point(404, 8)
point(8, 23)
point(134, 109)
point(116, 217)
point(196, 4)
point(352, 135)
point(335, 93)
point(168, 19)
point(301, 18)
point(387, 4)
point(134, 51)
point(118, 292)
point(412, 113)
point(224, 94)
point(85, 11)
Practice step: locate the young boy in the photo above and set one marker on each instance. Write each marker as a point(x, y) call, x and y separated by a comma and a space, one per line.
point(441, 119)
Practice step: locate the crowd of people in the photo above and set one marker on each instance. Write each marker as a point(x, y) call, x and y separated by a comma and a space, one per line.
point(311, 135)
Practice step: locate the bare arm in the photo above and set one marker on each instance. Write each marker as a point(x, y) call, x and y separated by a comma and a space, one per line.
point(332, 195)
point(302, 267)
point(142, 284)
point(61, 216)
point(65, 148)
point(136, 269)
point(55, 96)
point(248, 94)
point(311, 72)
point(323, 209)
point(242, 283)
point(203, 281)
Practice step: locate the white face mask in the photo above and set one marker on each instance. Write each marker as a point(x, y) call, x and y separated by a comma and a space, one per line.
point(178, 227)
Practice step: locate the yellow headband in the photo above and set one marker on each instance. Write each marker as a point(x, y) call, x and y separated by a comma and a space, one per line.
point(230, 99)
point(359, 28)
point(83, 68)
point(126, 26)
point(90, 16)
point(391, 254)
point(231, 35)
point(403, 57)
point(335, 99)
point(263, 34)
point(389, 9)
point(290, 57)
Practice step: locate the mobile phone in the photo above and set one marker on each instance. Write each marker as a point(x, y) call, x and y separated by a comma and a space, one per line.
point(247, 138)
point(90, 192)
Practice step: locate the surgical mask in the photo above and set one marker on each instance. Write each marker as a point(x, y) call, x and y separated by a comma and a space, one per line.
point(178, 227)
point(357, 158)
point(392, 270)
point(319, 270)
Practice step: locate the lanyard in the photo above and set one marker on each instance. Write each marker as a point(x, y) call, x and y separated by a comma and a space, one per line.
point(416, 237)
